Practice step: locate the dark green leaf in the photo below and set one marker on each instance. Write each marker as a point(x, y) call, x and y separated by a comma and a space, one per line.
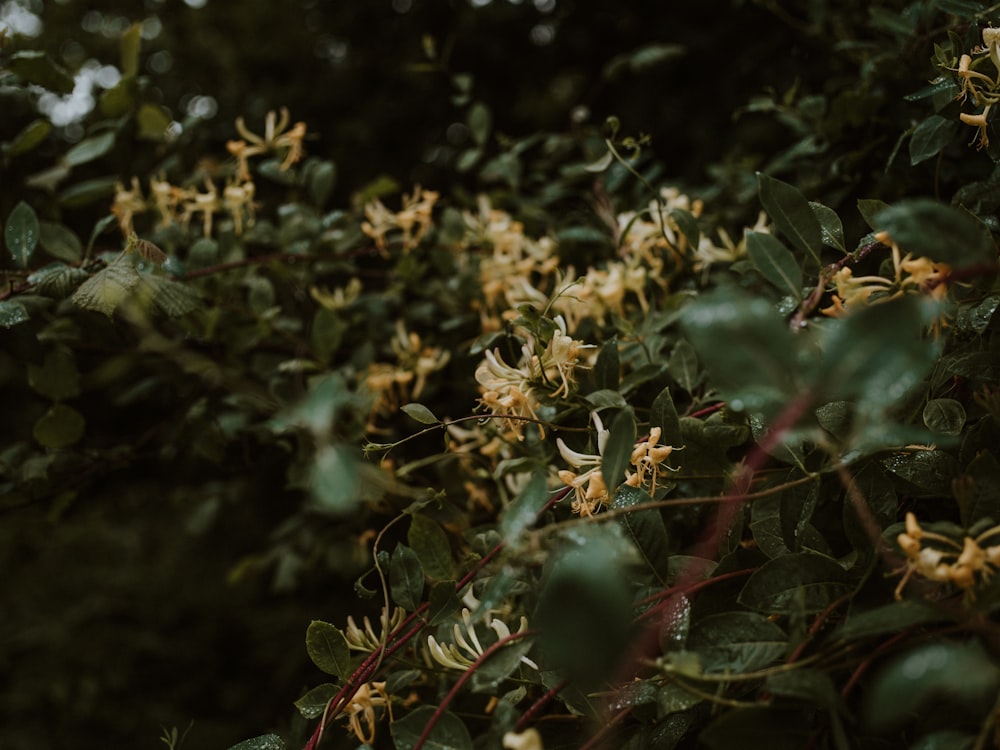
point(797, 506)
point(59, 427)
point(942, 233)
point(737, 642)
point(420, 413)
point(891, 618)
point(152, 122)
point(88, 191)
point(21, 234)
point(930, 472)
point(449, 733)
point(663, 414)
point(931, 135)
point(756, 374)
point(683, 366)
point(833, 228)
point(30, 137)
point(12, 312)
point(264, 742)
point(984, 499)
point(607, 369)
point(57, 378)
point(645, 528)
point(803, 582)
point(807, 684)
point(480, 122)
point(60, 242)
point(945, 416)
point(37, 67)
point(792, 215)
point(499, 666)
point(431, 544)
point(321, 180)
point(313, 704)
point(869, 208)
point(442, 602)
point(618, 449)
point(327, 648)
point(89, 149)
point(688, 225)
point(775, 263)
point(406, 578)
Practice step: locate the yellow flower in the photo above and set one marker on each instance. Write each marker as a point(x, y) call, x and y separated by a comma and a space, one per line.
point(276, 138)
point(126, 204)
point(979, 121)
point(529, 739)
point(361, 709)
point(469, 649)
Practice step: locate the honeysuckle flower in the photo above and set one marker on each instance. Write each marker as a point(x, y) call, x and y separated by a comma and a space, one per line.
point(206, 203)
point(969, 78)
point(708, 252)
point(468, 648)
point(589, 488)
point(980, 122)
point(339, 298)
point(126, 204)
point(365, 639)
point(237, 199)
point(167, 199)
point(276, 138)
point(359, 713)
point(648, 457)
point(529, 739)
point(412, 221)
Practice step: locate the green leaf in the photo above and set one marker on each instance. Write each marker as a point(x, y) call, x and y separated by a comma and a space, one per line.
point(87, 192)
point(480, 122)
point(327, 648)
point(430, 542)
point(797, 583)
point(645, 528)
point(833, 228)
point(755, 376)
point(59, 427)
point(420, 413)
point(320, 181)
point(942, 233)
point(875, 356)
point(930, 472)
point(12, 313)
point(442, 602)
point(57, 378)
point(618, 449)
point(869, 208)
point(775, 263)
point(688, 225)
point(108, 288)
point(60, 242)
point(945, 416)
point(930, 136)
point(89, 149)
point(942, 676)
point(21, 234)
point(663, 414)
point(314, 703)
point(449, 733)
point(792, 215)
point(523, 511)
point(264, 742)
point(30, 137)
point(406, 578)
point(131, 42)
point(335, 479)
point(737, 642)
point(984, 502)
point(887, 619)
point(813, 685)
point(152, 122)
point(37, 67)
point(683, 366)
point(607, 368)
point(499, 666)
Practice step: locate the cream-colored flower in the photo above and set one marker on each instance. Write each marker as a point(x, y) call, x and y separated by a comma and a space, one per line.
point(408, 224)
point(468, 648)
point(360, 711)
point(276, 138)
point(529, 739)
point(126, 204)
point(365, 639)
point(648, 458)
point(589, 488)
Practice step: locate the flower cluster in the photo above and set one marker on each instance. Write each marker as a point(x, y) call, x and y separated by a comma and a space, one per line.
point(469, 648)
point(359, 714)
point(408, 225)
point(365, 639)
point(395, 384)
point(981, 88)
point(909, 275)
point(943, 559)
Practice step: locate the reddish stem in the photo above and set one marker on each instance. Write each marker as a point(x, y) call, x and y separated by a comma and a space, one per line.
point(538, 705)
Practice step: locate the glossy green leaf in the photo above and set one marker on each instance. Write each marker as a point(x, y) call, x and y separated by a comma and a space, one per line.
point(430, 542)
point(37, 67)
point(756, 375)
point(945, 416)
point(57, 377)
point(12, 313)
point(832, 227)
point(683, 366)
point(524, 510)
point(803, 582)
point(930, 472)
point(737, 642)
point(327, 648)
point(775, 263)
point(937, 231)
point(449, 733)
point(89, 149)
point(30, 137)
point(21, 234)
point(930, 136)
point(792, 215)
point(314, 703)
point(406, 578)
point(264, 742)
point(618, 449)
point(932, 678)
point(60, 427)
point(107, 289)
point(645, 528)
point(420, 413)
point(60, 242)
point(894, 617)
point(607, 368)
point(499, 666)
point(870, 208)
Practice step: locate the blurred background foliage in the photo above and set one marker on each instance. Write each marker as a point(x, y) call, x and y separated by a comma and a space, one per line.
point(153, 592)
